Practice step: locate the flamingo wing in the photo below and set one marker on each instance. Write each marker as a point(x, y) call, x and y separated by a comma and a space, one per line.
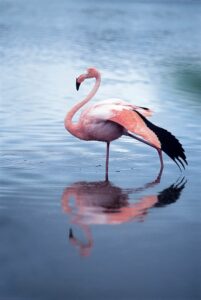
point(134, 122)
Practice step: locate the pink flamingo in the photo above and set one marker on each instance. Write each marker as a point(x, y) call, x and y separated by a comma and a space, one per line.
point(108, 120)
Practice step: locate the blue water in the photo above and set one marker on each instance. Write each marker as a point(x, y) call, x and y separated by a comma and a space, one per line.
point(65, 233)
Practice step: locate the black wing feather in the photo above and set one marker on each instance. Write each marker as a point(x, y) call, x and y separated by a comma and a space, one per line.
point(169, 143)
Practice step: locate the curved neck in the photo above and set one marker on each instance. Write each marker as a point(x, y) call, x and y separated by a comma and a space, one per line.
point(74, 128)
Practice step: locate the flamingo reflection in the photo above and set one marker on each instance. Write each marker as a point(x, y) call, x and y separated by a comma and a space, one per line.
point(104, 203)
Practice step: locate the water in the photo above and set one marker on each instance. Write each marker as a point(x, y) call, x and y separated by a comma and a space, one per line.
point(65, 233)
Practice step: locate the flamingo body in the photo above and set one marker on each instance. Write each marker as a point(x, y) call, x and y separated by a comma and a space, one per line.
point(98, 122)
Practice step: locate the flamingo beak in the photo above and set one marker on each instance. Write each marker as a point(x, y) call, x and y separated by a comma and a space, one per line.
point(77, 84)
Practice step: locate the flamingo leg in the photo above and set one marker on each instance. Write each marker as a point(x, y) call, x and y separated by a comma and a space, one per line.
point(107, 161)
point(158, 150)
point(161, 161)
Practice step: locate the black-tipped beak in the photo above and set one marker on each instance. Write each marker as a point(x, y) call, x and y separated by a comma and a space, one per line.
point(77, 85)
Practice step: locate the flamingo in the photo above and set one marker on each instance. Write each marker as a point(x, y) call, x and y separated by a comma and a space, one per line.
point(109, 119)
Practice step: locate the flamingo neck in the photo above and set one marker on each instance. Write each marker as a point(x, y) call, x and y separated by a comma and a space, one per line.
point(74, 129)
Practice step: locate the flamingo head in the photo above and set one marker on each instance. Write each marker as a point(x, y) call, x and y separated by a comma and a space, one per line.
point(90, 73)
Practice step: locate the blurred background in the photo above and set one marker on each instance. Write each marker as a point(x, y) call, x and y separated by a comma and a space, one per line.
point(52, 184)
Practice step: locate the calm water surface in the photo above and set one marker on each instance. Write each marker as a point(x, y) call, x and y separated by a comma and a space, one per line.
point(65, 233)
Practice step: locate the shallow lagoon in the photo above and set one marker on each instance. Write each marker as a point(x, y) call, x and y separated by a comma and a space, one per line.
point(65, 233)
